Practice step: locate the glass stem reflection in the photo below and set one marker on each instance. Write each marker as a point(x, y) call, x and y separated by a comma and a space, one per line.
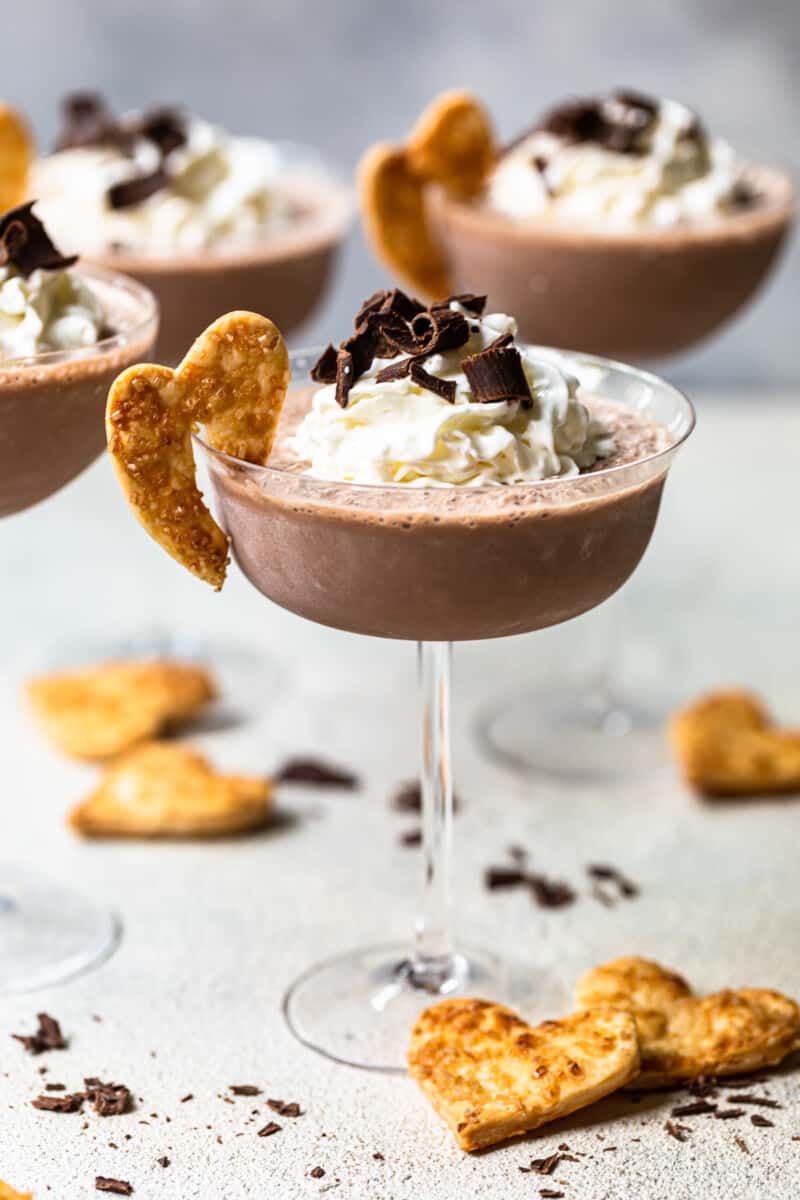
point(433, 960)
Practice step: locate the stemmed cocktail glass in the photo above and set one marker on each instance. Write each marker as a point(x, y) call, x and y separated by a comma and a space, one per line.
point(434, 566)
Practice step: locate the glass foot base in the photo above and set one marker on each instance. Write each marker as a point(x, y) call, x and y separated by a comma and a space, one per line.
point(49, 933)
point(574, 735)
point(359, 1007)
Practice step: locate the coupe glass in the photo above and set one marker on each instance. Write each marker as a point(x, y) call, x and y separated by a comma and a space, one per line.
point(51, 428)
point(434, 566)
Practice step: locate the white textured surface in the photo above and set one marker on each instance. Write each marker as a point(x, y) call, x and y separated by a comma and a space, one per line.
point(213, 933)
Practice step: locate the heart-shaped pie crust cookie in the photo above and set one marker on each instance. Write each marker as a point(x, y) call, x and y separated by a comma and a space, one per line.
point(727, 745)
point(491, 1076)
point(232, 382)
point(452, 143)
point(683, 1036)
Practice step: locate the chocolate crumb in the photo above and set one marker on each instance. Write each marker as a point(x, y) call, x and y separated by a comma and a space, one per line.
point(314, 771)
point(316, 1172)
point(411, 837)
point(285, 1108)
point(378, 1156)
point(188, 1096)
point(269, 1129)
point(55, 1087)
point(544, 1166)
point(742, 1144)
point(408, 798)
point(695, 1109)
point(606, 874)
point(163, 1161)
point(245, 1089)
point(504, 877)
point(518, 853)
point(550, 1194)
point(679, 1132)
point(48, 1036)
point(761, 1122)
point(72, 1102)
point(120, 1187)
point(550, 893)
point(109, 1099)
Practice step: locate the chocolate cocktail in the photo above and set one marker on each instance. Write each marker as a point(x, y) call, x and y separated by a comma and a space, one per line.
point(65, 333)
point(207, 220)
point(432, 479)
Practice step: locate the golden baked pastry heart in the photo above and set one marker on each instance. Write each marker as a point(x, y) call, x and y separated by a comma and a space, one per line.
point(103, 710)
point(8, 1193)
point(452, 143)
point(16, 155)
point(166, 790)
point(232, 382)
point(683, 1036)
point(491, 1076)
point(392, 199)
point(727, 745)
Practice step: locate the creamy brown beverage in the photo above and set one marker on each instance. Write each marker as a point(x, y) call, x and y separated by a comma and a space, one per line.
point(509, 499)
point(207, 220)
point(65, 333)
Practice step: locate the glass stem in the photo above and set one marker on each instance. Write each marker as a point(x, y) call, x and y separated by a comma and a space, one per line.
point(434, 957)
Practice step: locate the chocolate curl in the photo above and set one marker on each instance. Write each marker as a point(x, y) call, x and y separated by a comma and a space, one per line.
point(134, 191)
point(444, 388)
point(24, 243)
point(324, 369)
point(497, 374)
point(428, 333)
point(474, 305)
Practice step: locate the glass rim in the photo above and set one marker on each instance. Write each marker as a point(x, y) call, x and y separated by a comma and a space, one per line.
point(138, 292)
point(547, 354)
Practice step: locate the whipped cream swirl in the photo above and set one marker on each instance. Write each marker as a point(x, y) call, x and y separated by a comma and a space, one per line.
point(46, 310)
point(399, 432)
point(676, 175)
point(221, 190)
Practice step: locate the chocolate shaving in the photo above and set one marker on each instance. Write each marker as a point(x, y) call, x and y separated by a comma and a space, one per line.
point(544, 1166)
point(285, 1108)
point(742, 1144)
point(445, 389)
point(55, 1087)
point(696, 1109)
point(120, 1187)
point(72, 1102)
point(728, 1114)
point(396, 370)
point(86, 121)
point(408, 798)
point(361, 347)
point(269, 1129)
point(550, 1194)
point(474, 305)
point(504, 877)
point(188, 1096)
point(316, 1172)
point(109, 1099)
point(550, 893)
point(245, 1089)
point(679, 1132)
point(24, 243)
point(761, 1121)
point(163, 1161)
point(131, 192)
point(344, 377)
point(748, 1098)
point(166, 128)
point(312, 770)
point(608, 874)
point(496, 374)
point(411, 837)
point(324, 369)
point(389, 301)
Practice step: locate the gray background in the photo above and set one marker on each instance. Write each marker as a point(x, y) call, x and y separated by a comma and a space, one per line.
point(341, 73)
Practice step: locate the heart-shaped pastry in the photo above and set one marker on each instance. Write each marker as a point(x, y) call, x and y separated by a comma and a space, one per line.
point(232, 382)
point(163, 789)
point(452, 143)
point(491, 1076)
point(727, 745)
point(683, 1036)
point(101, 711)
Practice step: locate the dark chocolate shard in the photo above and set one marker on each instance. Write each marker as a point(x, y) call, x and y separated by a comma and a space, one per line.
point(361, 347)
point(166, 127)
point(616, 123)
point(25, 244)
point(245, 1089)
point(47, 1037)
point(131, 192)
point(344, 377)
point(324, 369)
point(69, 1103)
point(389, 301)
point(87, 121)
point(270, 1128)
point(120, 1187)
point(474, 304)
point(312, 770)
point(399, 369)
point(504, 877)
point(695, 1108)
point(109, 1099)
point(285, 1108)
point(445, 389)
point(496, 374)
point(550, 893)
point(761, 1122)
point(439, 330)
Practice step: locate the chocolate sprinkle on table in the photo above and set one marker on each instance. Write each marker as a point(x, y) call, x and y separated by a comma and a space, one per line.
point(55, 1087)
point(71, 1102)
point(608, 874)
point(163, 1161)
point(109, 1099)
point(496, 374)
point(747, 1098)
point(544, 1166)
point(761, 1122)
point(245, 1089)
point(550, 893)
point(408, 798)
point(269, 1129)
point(411, 837)
point(312, 770)
point(120, 1187)
point(316, 1172)
point(695, 1109)
point(679, 1132)
point(550, 1194)
point(47, 1037)
point(729, 1114)
point(742, 1144)
point(504, 877)
point(285, 1108)
point(188, 1096)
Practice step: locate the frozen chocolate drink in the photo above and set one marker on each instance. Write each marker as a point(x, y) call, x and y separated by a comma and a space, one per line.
point(65, 332)
point(618, 224)
point(432, 478)
point(443, 504)
point(207, 220)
